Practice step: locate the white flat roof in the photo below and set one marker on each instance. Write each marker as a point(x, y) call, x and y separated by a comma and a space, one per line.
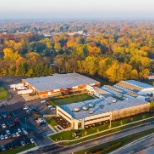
point(59, 81)
point(102, 105)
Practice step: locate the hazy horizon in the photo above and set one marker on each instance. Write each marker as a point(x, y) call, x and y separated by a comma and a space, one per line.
point(29, 9)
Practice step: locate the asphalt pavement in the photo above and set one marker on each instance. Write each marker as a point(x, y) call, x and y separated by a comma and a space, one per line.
point(87, 144)
point(143, 145)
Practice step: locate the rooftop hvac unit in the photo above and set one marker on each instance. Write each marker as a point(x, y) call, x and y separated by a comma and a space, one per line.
point(91, 111)
point(114, 101)
point(91, 105)
point(76, 109)
point(85, 108)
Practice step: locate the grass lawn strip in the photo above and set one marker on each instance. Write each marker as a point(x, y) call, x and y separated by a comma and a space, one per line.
point(71, 99)
point(67, 135)
point(3, 93)
point(51, 122)
point(19, 149)
point(113, 145)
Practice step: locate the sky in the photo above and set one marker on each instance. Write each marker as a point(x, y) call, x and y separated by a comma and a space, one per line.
point(76, 9)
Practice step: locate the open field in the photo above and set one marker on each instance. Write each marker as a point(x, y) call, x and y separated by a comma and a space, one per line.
point(71, 99)
point(113, 145)
point(67, 135)
point(3, 93)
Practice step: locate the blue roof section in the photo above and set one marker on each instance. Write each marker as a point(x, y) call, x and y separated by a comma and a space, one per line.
point(102, 105)
point(139, 84)
point(59, 81)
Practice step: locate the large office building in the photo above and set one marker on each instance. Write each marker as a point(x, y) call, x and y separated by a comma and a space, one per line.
point(89, 112)
point(59, 83)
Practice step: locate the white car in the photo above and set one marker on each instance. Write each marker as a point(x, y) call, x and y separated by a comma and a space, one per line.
point(3, 126)
point(26, 108)
point(39, 120)
point(25, 132)
point(19, 130)
point(50, 106)
point(17, 134)
point(6, 136)
point(43, 101)
point(32, 140)
point(2, 137)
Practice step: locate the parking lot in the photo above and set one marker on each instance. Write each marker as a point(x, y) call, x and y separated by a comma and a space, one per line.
point(27, 120)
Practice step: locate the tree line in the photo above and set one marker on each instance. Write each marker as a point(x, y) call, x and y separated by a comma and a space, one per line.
point(112, 50)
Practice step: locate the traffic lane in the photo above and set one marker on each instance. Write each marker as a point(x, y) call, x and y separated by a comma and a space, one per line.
point(101, 140)
point(137, 146)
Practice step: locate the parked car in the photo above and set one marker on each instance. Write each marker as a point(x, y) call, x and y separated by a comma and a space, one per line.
point(2, 137)
point(23, 129)
point(10, 113)
point(3, 148)
point(6, 136)
point(19, 130)
point(17, 134)
point(43, 124)
point(50, 106)
point(8, 132)
point(13, 135)
point(22, 143)
point(11, 124)
point(4, 115)
point(26, 108)
point(43, 101)
point(27, 141)
point(39, 120)
point(3, 125)
point(25, 132)
point(32, 140)
point(15, 144)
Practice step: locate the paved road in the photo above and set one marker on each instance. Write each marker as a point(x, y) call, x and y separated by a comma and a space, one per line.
point(143, 145)
point(63, 150)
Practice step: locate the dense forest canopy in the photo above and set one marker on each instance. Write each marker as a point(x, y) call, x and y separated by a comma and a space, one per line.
point(112, 50)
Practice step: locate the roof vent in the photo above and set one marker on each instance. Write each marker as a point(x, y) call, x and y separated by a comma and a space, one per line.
point(114, 101)
point(85, 108)
point(76, 109)
point(91, 111)
point(91, 105)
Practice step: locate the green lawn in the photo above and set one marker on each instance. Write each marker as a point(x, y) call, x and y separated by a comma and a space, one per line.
point(51, 122)
point(20, 149)
point(3, 93)
point(67, 135)
point(113, 145)
point(71, 99)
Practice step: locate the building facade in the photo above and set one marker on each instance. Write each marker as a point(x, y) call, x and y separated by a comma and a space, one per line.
point(59, 84)
point(82, 114)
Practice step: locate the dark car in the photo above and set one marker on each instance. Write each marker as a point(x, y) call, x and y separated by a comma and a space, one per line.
point(11, 124)
point(27, 141)
point(43, 124)
point(15, 144)
point(3, 148)
point(22, 143)
point(10, 113)
point(4, 115)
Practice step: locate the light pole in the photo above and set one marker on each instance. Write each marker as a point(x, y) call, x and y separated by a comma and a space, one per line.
point(110, 119)
point(25, 124)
